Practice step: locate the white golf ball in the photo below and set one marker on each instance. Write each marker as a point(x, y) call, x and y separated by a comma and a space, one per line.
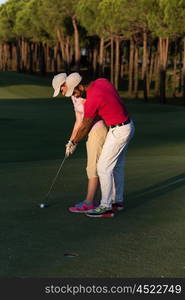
point(42, 205)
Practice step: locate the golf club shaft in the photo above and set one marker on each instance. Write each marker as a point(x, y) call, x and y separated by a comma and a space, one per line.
point(55, 178)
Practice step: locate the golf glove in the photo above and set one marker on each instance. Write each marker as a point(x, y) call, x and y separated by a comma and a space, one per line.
point(70, 148)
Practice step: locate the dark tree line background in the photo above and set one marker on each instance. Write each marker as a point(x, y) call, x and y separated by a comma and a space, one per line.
point(138, 42)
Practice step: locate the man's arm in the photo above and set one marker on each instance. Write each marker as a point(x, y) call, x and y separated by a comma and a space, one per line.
point(78, 122)
point(83, 130)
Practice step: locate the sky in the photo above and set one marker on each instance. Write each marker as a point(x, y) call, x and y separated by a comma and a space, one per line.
point(2, 1)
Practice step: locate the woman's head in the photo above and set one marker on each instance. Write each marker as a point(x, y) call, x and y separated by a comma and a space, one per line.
point(57, 82)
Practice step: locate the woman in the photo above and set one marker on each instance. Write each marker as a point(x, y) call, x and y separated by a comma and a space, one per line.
point(94, 144)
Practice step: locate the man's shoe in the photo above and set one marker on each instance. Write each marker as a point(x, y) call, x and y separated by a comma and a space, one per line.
point(101, 212)
point(117, 206)
point(82, 207)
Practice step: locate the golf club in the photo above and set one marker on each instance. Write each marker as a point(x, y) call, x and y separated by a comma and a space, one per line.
point(45, 204)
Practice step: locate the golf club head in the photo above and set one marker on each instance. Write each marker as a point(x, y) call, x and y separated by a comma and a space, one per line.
point(43, 205)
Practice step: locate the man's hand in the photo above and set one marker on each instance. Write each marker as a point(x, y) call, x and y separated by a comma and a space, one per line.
point(70, 148)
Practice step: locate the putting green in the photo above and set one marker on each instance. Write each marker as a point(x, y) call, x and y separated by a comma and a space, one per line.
point(145, 240)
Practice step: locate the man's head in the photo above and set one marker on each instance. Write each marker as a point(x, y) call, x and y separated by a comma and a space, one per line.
point(57, 82)
point(73, 86)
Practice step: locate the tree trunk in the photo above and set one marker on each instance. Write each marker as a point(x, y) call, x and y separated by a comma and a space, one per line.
point(145, 67)
point(136, 72)
point(14, 60)
point(6, 54)
point(18, 54)
point(60, 38)
point(163, 63)
point(174, 75)
point(123, 62)
point(112, 61)
point(151, 69)
point(9, 49)
point(180, 70)
point(35, 46)
point(131, 67)
point(117, 63)
point(71, 53)
point(101, 57)
point(95, 57)
point(36, 53)
point(42, 67)
point(67, 50)
point(27, 55)
point(47, 59)
point(1, 56)
point(24, 53)
point(55, 59)
point(183, 71)
point(30, 58)
point(122, 67)
point(76, 44)
point(156, 87)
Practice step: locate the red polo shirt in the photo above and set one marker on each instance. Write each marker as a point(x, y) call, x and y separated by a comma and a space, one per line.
point(104, 101)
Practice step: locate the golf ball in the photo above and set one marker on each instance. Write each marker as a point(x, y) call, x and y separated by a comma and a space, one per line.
point(41, 205)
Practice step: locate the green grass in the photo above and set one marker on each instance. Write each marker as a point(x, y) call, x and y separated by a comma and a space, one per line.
point(146, 240)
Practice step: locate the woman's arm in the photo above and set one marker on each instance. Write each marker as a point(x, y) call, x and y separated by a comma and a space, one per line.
point(77, 124)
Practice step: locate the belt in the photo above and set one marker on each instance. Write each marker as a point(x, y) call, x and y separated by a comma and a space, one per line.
point(120, 124)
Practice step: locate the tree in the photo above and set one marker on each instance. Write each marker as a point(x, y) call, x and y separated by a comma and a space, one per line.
point(112, 20)
point(137, 35)
point(90, 18)
point(174, 15)
point(29, 28)
point(8, 12)
point(61, 19)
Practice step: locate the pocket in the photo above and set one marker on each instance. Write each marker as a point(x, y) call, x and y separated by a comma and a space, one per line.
point(122, 134)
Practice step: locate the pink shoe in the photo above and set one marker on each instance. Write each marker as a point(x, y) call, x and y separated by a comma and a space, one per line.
point(82, 207)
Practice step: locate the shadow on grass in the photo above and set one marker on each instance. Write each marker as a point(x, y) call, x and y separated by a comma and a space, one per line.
point(144, 195)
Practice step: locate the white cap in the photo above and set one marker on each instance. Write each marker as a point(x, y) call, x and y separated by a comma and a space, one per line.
point(57, 81)
point(71, 82)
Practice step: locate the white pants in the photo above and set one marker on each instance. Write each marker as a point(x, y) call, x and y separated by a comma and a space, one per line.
point(111, 163)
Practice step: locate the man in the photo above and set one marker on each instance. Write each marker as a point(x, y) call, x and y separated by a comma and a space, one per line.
point(94, 144)
point(102, 100)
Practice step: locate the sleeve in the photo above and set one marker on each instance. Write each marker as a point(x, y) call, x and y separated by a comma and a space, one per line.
point(91, 105)
point(79, 108)
point(78, 105)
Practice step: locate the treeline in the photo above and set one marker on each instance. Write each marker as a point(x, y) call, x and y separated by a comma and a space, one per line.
point(142, 41)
